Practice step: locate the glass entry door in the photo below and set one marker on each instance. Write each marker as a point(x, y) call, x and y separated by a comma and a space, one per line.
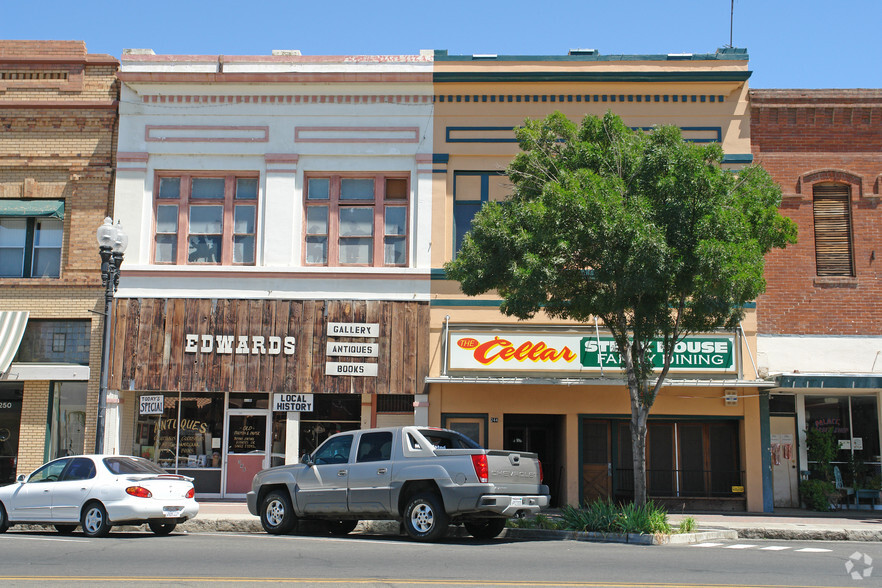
point(246, 446)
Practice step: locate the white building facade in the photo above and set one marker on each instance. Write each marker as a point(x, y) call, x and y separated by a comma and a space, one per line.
point(278, 210)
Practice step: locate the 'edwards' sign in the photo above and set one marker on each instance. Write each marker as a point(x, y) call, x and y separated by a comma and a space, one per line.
point(573, 352)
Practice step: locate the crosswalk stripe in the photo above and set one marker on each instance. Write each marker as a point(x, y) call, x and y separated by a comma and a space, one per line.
point(813, 550)
point(707, 545)
point(739, 546)
point(774, 548)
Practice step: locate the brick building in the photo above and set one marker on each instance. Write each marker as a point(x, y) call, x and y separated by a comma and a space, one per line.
point(58, 115)
point(819, 327)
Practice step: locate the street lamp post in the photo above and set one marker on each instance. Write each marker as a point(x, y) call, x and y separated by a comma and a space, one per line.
point(112, 243)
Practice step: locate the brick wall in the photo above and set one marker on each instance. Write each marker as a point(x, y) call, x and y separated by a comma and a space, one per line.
point(803, 137)
point(58, 116)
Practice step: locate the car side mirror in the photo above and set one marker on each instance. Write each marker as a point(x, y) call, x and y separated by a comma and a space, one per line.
point(307, 459)
point(21, 479)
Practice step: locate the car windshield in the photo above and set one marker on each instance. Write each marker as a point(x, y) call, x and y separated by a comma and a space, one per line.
point(131, 465)
point(443, 439)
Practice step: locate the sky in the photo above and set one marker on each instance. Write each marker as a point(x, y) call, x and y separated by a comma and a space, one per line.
point(792, 44)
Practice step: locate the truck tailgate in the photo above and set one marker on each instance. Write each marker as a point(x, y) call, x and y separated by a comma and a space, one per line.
point(514, 472)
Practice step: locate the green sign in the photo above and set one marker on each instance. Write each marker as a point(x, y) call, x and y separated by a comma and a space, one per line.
point(694, 354)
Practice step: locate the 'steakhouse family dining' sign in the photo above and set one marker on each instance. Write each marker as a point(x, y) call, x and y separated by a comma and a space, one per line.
point(579, 352)
point(270, 346)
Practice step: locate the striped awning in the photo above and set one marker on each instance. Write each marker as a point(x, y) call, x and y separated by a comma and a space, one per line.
point(12, 328)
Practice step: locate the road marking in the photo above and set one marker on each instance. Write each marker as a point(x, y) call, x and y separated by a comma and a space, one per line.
point(352, 540)
point(707, 545)
point(739, 546)
point(45, 539)
point(67, 580)
point(813, 550)
point(774, 548)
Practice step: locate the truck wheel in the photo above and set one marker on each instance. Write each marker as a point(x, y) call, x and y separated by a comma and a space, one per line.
point(277, 513)
point(485, 528)
point(341, 527)
point(424, 518)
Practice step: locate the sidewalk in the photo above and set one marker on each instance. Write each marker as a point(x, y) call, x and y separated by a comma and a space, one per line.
point(784, 524)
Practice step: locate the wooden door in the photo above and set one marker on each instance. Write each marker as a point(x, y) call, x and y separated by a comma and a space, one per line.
point(596, 461)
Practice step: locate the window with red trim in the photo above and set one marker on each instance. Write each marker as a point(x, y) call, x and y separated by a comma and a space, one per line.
point(205, 219)
point(358, 220)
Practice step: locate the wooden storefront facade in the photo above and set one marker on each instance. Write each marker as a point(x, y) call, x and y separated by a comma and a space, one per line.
point(212, 368)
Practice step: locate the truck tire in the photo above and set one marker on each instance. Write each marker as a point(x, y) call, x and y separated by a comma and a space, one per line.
point(341, 527)
point(425, 518)
point(485, 528)
point(277, 513)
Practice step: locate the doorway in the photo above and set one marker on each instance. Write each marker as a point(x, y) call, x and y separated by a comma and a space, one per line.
point(540, 434)
point(596, 461)
point(246, 447)
point(10, 426)
point(785, 475)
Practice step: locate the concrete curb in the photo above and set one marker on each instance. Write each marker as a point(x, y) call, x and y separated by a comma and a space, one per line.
point(393, 528)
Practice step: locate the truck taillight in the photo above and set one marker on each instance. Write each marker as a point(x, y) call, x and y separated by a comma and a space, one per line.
point(481, 468)
point(541, 473)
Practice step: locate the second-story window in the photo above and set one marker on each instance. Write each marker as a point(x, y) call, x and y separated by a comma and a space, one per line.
point(205, 219)
point(356, 220)
point(30, 247)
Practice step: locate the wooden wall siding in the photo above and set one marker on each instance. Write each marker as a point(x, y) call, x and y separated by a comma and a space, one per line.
point(149, 339)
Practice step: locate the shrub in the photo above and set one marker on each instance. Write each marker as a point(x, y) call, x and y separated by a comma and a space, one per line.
point(817, 494)
point(687, 525)
point(604, 516)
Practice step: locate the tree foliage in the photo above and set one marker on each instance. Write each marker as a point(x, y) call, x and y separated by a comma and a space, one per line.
point(644, 231)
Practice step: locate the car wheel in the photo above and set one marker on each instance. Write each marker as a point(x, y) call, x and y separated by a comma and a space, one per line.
point(94, 520)
point(485, 528)
point(341, 527)
point(65, 529)
point(277, 513)
point(161, 528)
point(425, 519)
point(4, 521)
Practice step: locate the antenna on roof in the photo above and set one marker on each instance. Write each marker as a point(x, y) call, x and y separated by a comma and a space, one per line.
point(731, 20)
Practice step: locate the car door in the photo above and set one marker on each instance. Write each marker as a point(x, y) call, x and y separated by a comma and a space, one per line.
point(322, 487)
point(75, 486)
point(371, 475)
point(32, 501)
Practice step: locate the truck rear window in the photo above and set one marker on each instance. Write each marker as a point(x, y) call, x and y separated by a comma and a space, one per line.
point(443, 439)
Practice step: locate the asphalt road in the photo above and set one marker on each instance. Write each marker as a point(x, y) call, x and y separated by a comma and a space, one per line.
point(46, 559)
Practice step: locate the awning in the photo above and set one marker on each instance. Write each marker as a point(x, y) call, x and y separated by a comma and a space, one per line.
point(41, 208)
point(829, 381)
point(12, 328)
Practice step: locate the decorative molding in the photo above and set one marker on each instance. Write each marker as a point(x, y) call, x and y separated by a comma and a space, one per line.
point(289, 99)
point(830, 175)
point(206, 134)
point(356, 134)
point(660, 98)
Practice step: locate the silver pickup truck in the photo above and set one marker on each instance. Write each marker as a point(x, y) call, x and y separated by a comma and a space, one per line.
point(427, 478)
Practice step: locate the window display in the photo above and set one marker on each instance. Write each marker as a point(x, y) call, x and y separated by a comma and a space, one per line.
point(187, 434)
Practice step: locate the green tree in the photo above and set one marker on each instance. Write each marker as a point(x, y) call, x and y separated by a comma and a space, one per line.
point(641, 230)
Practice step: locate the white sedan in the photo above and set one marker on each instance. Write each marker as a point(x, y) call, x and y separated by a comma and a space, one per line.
point(97, 492)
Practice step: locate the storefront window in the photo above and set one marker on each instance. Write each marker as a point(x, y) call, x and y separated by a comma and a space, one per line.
point(187, 436)
point(854, 421)
point(10, 424)
point(334, 413)
point(67, 422)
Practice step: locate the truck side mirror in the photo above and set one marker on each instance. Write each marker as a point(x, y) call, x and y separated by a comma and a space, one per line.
point(306, 459)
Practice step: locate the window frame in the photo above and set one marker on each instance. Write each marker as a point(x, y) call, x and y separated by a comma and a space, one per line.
point(828, 258)
point(30, 247)
point(185, 201)
point(460, 203)
point(379, 204)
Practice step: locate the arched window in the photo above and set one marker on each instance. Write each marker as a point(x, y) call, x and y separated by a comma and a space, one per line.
point(834, 253)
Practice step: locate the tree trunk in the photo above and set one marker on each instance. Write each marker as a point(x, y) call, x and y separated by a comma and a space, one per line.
point(639, 416)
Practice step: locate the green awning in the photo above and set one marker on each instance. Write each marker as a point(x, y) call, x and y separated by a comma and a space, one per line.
point(41, 208)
